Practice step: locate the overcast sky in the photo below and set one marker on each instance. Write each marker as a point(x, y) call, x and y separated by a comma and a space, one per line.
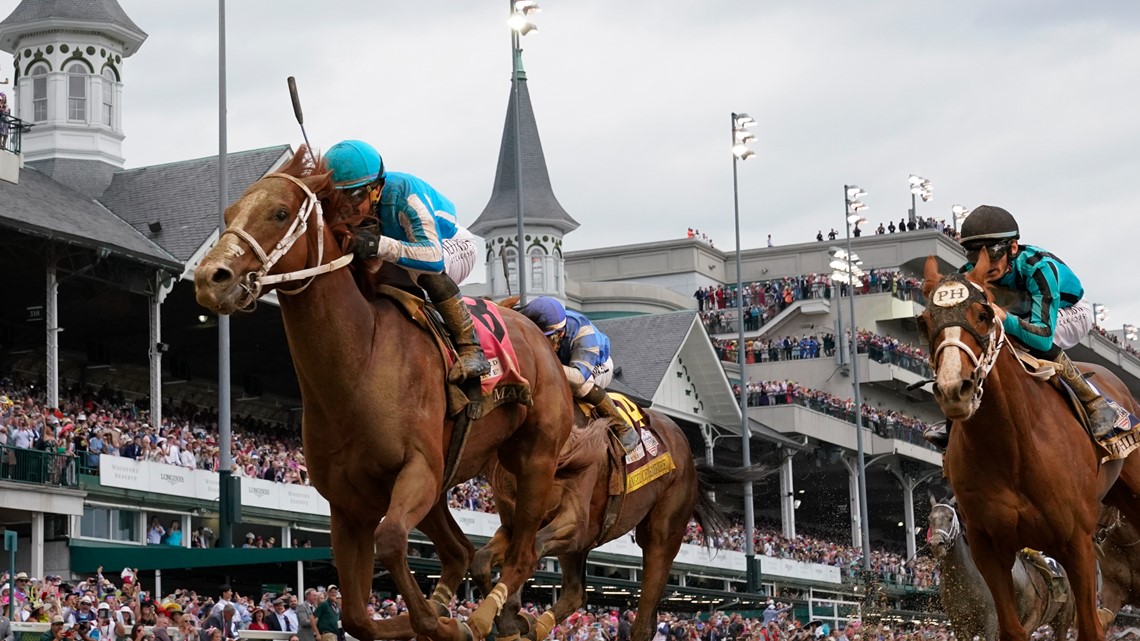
point(1027, 104)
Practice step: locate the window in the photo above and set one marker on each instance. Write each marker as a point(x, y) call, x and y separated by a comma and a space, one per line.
point(109, 523)
point(39, 93)
point(77, 92)
point(512, 268)
point(108, 98)
point(537, 269)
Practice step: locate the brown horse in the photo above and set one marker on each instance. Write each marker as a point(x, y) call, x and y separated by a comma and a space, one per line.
point(963, 592)
point(1023, 470)
point(376, 427)
point(578, 518)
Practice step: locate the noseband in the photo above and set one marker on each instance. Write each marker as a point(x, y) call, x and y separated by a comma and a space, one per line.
point(991, 343)
point(950, 535)
point(253, 282)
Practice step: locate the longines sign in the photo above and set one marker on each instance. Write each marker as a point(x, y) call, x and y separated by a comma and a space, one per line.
point(173, 480)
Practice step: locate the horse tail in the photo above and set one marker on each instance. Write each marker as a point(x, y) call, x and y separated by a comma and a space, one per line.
point(710, 515)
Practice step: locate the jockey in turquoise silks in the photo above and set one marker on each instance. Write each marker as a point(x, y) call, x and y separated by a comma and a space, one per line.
point(1046, 309)
point(418, 231)
point(585, 355)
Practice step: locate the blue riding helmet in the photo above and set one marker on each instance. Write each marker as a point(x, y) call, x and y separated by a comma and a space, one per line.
point(354, 163)
point(547, 313)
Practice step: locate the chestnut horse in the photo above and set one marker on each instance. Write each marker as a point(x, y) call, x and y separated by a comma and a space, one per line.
point(576, 520)
point(1023, 469)
point(375, 426)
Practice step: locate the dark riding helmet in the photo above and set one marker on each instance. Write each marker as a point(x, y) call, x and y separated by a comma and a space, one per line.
point(988, 224)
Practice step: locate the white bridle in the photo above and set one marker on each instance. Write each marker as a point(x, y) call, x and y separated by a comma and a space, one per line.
point(982, 366)
point(950, 535)
point(253, 281)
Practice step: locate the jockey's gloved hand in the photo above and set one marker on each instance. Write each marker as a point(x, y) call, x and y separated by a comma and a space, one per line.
point(366, 244)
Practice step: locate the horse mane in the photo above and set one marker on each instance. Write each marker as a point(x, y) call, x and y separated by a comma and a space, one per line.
point(581, 449)
point(341, 218)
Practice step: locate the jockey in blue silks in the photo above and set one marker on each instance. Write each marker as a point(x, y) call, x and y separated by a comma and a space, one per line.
point(585, 355)
point(1047, 312)
point(418, 231)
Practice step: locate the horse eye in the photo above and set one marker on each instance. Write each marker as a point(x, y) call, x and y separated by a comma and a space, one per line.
point(281, 215)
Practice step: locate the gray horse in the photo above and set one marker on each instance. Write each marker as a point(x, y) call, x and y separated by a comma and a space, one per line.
point(967, 600)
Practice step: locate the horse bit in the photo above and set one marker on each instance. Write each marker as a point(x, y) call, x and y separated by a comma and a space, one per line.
point(252, 282)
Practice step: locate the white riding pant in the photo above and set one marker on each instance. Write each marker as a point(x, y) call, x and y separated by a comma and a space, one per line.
point(459, 254)
point(1073, 324)
point(602, 377)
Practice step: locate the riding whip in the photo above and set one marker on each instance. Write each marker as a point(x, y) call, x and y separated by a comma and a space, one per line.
point(300, 116)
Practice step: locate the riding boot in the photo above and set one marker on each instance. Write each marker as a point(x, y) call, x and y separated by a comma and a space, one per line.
point(625, 432)
point(938, 435)
point(444, 295)
point(1101, 417)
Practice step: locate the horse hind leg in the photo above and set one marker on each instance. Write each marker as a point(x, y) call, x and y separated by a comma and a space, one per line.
point(659, 536)
point(573, 596)
point(488, 558)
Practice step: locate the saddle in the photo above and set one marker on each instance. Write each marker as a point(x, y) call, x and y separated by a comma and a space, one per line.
point(1124, 438)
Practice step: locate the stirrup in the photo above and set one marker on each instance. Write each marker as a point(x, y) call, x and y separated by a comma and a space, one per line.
point(471, 366)
point(938, 435)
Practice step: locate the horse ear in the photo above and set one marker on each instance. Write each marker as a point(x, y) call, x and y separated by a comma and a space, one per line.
point(932, 276)
point(981, 268)
point(952, 501)
point(932, 501)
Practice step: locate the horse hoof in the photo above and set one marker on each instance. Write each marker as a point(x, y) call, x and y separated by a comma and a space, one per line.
point(440, 609)
point(465, 632)
point(530, 621)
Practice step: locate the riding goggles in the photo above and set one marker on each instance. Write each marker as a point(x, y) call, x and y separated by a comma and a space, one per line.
point(995, 251)
point(362, 193)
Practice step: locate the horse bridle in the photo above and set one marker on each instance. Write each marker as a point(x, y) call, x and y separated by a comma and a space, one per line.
point(991, 345)
point(252, 282)
point(955, 530)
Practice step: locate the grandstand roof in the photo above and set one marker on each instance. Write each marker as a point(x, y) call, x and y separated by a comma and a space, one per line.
point(40, 206)
point(183, 196)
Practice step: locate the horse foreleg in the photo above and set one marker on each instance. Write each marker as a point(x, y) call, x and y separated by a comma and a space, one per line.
point(353, 554)
point(487, 558)
point(1079, 560)
point(454, 549)
point(995, 566)
point(535, 479)
point(573, 595)
point(414, 494)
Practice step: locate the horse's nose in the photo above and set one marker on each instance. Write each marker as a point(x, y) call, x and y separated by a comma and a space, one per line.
point(219, 275)
point(962, 389)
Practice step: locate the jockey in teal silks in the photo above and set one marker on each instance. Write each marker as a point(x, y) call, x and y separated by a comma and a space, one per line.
point(418, 231)
point(1047, 312)
point(585, 355)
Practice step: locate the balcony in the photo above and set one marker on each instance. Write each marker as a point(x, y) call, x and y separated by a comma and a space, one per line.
point(11, 139)
point(38, 468)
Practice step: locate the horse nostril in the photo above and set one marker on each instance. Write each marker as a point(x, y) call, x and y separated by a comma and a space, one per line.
point(967, 387)
point(221, 275)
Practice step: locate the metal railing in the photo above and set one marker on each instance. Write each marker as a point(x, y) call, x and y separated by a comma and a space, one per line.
point(12, 132)
point(35, 466)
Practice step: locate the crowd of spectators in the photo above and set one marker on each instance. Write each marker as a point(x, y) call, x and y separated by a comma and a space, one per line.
point(91, 423)
point(884, 422)
point(881, 348)
point(764, 299)
point(697, 234)
point(1125, 346)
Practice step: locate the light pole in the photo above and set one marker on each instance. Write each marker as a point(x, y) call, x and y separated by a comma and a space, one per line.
point(1100, 314)
point(740, 151)
point(958, 213)
point(1129, 333)
point(851, 208)
point(920, 188)
point(520, 25)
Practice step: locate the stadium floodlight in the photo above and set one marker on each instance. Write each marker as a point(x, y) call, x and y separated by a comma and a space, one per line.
point(851, 207)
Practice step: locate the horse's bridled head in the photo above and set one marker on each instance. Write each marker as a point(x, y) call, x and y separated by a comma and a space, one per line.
point(226, 279)
point(958, 324)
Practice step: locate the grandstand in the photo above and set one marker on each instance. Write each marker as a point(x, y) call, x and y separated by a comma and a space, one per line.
point(100, 322)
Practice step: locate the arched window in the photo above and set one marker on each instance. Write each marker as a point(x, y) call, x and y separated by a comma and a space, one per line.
point(108, 98)
point(537, 269)
point(512, 268)
point(77, 92)
point(39, 93)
